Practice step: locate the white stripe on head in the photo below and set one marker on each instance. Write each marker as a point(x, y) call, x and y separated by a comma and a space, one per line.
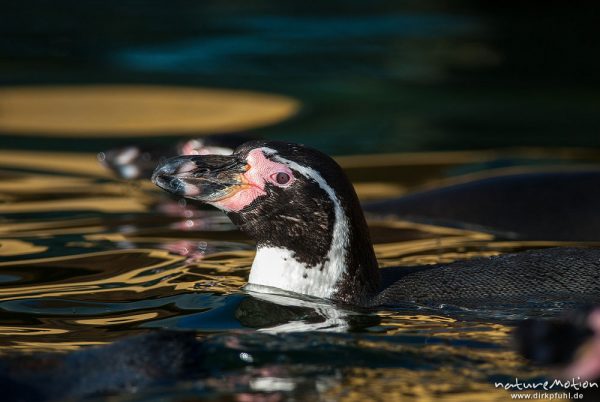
point(276, 266)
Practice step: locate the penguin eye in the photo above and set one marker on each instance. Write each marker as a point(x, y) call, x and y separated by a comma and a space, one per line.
point(281, 178)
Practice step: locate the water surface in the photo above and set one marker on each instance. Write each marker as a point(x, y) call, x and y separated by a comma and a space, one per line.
point(86, 259)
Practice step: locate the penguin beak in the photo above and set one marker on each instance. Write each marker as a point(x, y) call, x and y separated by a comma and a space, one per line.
point(207, 178)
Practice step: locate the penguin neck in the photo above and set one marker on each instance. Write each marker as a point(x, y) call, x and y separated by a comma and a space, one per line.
point(321, 250)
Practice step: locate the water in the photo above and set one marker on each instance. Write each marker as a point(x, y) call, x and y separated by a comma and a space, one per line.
point(86, 259)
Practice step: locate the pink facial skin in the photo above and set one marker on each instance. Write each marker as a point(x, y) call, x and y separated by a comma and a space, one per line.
point(261, 171)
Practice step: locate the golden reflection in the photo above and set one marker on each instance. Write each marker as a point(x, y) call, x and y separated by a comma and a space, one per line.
point(126, 110)
point(445, 245)
point(38, 183)
point(13, 331)
point(222, 272)
point(52, 227)
point(455, 381)
point(400, 323)
point(39, 347)
point(100, 204)
point(375, 176)
point(379, 190)
point(496, 333)
point(431, 251)
point(45, 193)
point(221, 261)
point(417, 318)
point(80, 164)
point(428, 170)
point(450, 249)
point(225, 276)
point(396, 223)
point(118, 320)
point(449, 158)
point(152, 276)
point(11, 247)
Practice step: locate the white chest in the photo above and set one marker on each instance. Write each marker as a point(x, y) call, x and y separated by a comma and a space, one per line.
point(276, 267)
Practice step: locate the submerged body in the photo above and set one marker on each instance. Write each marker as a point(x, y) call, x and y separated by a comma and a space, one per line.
point(312, 238)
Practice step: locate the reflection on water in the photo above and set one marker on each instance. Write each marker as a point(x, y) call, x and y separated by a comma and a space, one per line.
point(86, 260)
point(137, 110)
point(376, 77)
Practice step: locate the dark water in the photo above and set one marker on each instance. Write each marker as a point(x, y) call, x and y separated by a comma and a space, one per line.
point(372, 77)
point(86, 259)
